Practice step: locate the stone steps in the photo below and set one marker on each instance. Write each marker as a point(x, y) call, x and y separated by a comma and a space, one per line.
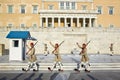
point(66, 66)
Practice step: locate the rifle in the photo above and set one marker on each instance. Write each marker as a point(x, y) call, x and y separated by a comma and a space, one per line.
point(31, 48)
point(57, 47)
point(88, 42)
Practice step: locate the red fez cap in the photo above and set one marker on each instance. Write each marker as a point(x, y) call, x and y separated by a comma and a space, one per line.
point(31, 43)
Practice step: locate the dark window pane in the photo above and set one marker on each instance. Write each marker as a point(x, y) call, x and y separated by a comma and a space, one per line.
point(15, 43)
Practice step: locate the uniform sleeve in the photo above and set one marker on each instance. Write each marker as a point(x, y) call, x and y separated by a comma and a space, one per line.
point(32, 52)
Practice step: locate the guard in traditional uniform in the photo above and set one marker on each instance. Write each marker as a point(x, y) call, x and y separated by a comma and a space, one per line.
point(46, 52)
point(31, 58)
point(84, 60)
point(57, 60)
point(111, 49)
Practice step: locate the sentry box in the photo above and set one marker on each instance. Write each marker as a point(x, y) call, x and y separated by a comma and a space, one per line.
point(17, 47)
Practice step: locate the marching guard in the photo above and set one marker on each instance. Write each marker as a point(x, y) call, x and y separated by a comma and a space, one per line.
point(57, 57)
point(46, 52)
point(31, 58)
point(111, 49)
point(84, 60)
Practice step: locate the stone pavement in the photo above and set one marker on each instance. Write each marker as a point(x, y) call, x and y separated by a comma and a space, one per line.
point(97, 61)
point(94, 58)
point(66, 75)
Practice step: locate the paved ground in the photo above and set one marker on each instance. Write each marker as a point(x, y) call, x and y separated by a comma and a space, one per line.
point(67, 75)
point(94, 58)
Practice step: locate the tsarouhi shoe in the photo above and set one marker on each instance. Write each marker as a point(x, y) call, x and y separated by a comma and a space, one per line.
point(60, 70)
point(77, 70)
point(49, 69)
point(35, 70)
point(87, 70)
point(24, 69)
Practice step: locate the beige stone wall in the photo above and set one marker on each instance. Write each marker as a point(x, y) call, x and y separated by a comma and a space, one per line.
point(105, 19)
point(2, 49)
point(87, 4)
point(54, 4)
point(100, 40)
point(16, 19)
point(28, 20)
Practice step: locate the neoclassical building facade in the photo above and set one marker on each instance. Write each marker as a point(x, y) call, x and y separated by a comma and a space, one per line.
point(59, 13)
point(74, 21)
point(68, 13)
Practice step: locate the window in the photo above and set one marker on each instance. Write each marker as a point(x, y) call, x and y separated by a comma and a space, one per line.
point(67, 5)
point(22, 9)
point(34, 25)
point(50, 7)
point(111, 10)
point(22, 25)
point(15, 43)
point(10, 25)
point(99, 8)
point(111, 25)
point(35, 9)
point(84, 7)
point(73, 5)
point(61, 5)
point(10, 8)
point(100, 25)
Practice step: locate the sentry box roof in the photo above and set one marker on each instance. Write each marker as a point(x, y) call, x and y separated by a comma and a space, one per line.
point(19, 35)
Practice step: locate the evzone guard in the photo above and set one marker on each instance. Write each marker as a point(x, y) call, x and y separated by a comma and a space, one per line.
point(84, 60)
point(31, 58)
point(57, 60)
point(111, 49)
point(46, 52)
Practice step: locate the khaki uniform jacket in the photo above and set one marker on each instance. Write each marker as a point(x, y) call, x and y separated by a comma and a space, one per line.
point(45, 48)
point(111, 48)
point(31, 55)
point(84, 55)
point(57, 55)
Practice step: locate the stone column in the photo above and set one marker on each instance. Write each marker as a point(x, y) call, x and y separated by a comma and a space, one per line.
point(71, 22)
point(65, 22)
point(84, 22)
point(95, 22)
point(78, 22)
point(53, 22)
point(46, 21)
point(90, 25)
point(59, 22)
